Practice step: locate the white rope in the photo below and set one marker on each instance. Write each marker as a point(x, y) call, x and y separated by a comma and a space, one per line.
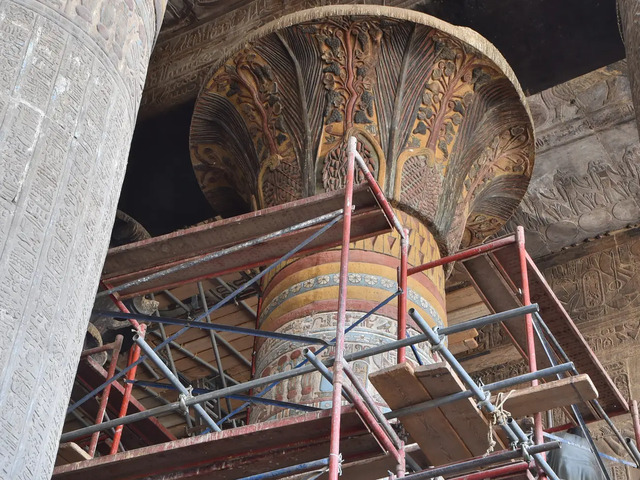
point(499, 416)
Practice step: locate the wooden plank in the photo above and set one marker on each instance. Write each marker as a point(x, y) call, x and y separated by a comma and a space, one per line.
point(439, 380)
point(550, 395)
point(70, 453)
point(463, 341)
point(497, 278)
point(430, 429)
point(233, 453)
point(136, 260)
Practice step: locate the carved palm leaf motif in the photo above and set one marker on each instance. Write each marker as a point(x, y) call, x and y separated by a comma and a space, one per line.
point(435, 110)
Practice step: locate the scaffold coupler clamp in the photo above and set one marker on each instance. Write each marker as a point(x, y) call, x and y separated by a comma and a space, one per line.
point(436, 347)
point(486, 401)
point(525, 453)
point(182, 399)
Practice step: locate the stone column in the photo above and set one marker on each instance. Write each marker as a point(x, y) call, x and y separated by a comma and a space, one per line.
point(439, 119)
point(71, 78)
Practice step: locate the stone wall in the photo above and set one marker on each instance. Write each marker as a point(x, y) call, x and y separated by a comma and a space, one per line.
point(71, 78)
point(586, 180)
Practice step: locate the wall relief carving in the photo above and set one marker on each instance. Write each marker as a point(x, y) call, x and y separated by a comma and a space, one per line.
point(587, 180)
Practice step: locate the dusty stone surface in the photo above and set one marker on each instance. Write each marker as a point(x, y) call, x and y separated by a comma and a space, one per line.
point(196, 36)
point(71, 78)
point(587, 179)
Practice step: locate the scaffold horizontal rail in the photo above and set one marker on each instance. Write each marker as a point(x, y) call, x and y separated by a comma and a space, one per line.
point(196, 253)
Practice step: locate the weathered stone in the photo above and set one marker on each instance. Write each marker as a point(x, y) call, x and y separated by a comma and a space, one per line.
point(196, 36)
point(587, 180)
point(629, 23)
point(71, 77)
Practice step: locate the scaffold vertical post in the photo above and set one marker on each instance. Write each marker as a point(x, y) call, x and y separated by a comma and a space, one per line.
point(336, 407)
point(131, 375)
point(104, 400)
point(636, 421)
point(531, 345)
point(402, 298)
point(402, 461)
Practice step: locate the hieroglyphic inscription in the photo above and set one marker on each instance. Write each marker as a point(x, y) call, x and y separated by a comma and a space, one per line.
point(69, 87)
point(599, 285)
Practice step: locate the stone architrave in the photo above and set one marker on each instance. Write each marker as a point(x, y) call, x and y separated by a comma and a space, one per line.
point(71, 78)
point(197, 35)
point(440, 120)
point(587, 179)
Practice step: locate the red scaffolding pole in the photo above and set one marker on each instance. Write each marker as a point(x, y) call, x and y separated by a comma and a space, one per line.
point(336, 410)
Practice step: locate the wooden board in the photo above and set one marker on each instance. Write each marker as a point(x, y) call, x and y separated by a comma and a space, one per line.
point(439, 380)
point(135, 260)
point(550, 395)
point(234, 453)
point(497, 278)
point(70, 453)
point(430, 429)
point(463, 341)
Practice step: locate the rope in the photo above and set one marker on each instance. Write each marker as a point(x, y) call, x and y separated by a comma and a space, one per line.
point(499, 417)
point(339, 455)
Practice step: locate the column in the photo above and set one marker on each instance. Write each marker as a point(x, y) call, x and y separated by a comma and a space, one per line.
point(71, 78)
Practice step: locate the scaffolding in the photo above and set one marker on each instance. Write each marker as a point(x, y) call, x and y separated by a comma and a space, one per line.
point(358, 431)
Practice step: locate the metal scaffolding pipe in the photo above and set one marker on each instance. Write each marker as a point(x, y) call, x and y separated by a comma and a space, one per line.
point(336, 410)
point(496, 472)
point(528, 322)
point(480, 462)
point(538, 457)
point(576, 412)
point(215, 326)
point(558, 348)
point(242, 303)
point(437, 345)
point(362, 408)
point(302, 467)
point(464, 254)
point(104, 400)
point(636, 421)
point(321, 349)
point(134, 359)
point(255, 383)
point(220, 253)
point(174, 380)
point(402, 299)
point(371, 404)
point(195, 358)
point(216, 353)
point(487, 320)
point(248, 398)
point(324, 371)
point(377, 191)
point(222, 302)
